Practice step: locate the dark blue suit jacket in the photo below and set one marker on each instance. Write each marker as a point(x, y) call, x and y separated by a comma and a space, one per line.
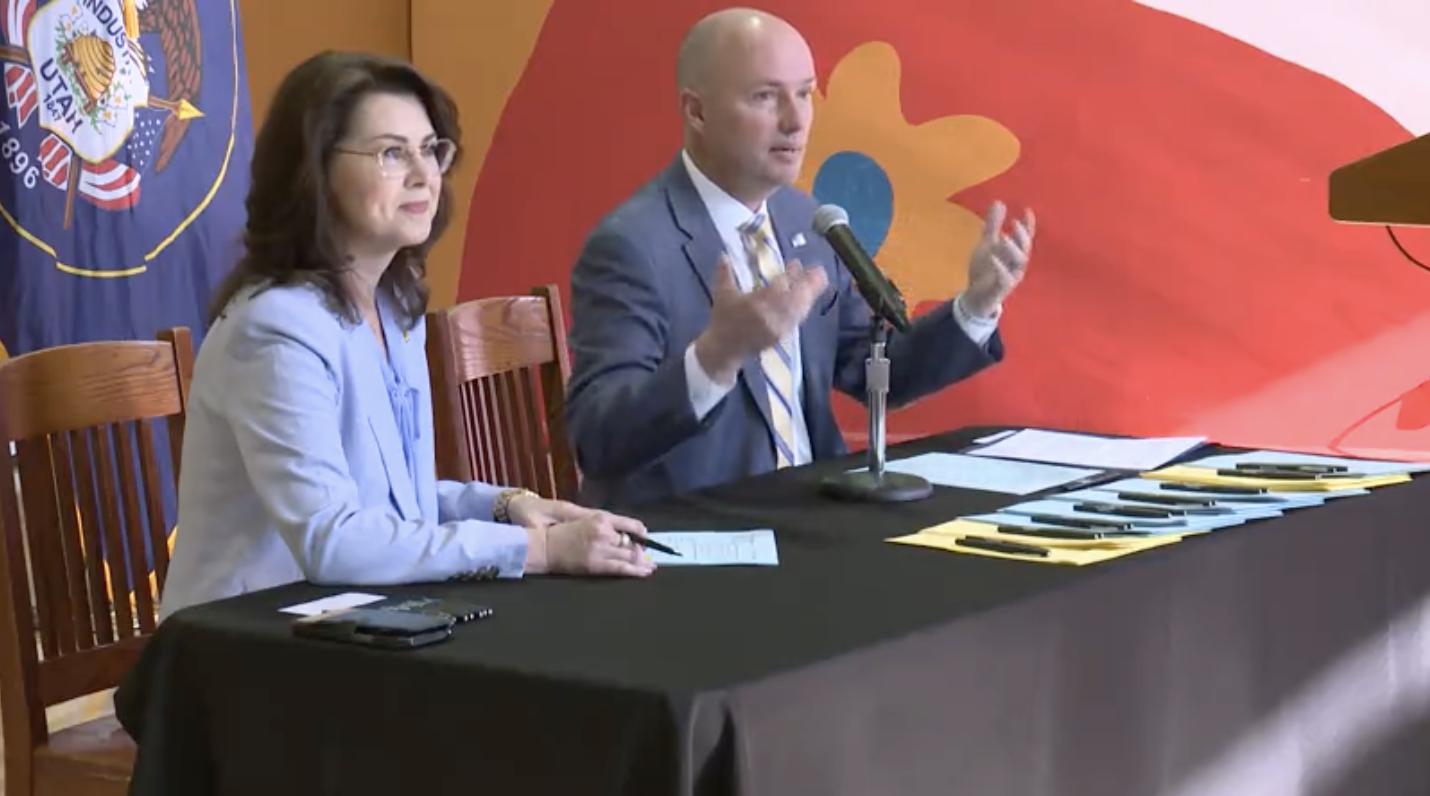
point(641, 294)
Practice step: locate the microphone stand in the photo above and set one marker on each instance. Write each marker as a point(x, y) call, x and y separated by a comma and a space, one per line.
point(874, 485)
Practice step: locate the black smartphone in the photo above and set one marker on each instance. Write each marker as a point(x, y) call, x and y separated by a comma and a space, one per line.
point(460, 610)
point(377, 627)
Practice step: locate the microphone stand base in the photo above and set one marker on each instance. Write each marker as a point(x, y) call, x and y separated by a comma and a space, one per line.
point(887, 487)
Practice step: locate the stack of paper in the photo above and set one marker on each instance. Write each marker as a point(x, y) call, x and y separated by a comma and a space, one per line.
point(982, 539)
point(1297, 472)
point(1109, 520)
point(988, 475)
point(1184, 474)
point(1080, 511)
point(1089, 450)
point(1146, 490)
point(1366, 466)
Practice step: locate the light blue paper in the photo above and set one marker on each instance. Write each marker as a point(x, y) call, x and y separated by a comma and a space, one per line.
point(717, 548)
point(1251, 511)
point(988, 475)
point(1286, 499)
point(1008, 518)
point(1063, 508)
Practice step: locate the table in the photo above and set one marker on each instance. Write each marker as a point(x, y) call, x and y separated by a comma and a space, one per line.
point(1286, 656)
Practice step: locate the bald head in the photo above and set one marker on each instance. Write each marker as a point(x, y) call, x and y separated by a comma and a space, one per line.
point(728, 34)
point(747, 100)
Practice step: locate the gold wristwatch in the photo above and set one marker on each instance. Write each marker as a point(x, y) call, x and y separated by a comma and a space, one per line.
point(501, 508)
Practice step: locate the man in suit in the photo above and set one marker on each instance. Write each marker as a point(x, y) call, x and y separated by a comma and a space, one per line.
point(711, 323)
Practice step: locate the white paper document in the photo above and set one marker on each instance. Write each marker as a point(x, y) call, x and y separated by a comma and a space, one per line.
point(1087, 450)
point(989, 475)
point(717, 548)
point(337, 602)
point(994, 437)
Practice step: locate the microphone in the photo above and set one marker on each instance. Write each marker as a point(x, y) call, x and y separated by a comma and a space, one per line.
point(832, 224)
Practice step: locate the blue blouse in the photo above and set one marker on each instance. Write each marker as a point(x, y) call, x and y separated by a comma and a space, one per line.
point(403, 396)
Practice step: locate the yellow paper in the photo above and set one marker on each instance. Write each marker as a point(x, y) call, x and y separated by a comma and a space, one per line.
point(1068, 552)
point(1183, 474)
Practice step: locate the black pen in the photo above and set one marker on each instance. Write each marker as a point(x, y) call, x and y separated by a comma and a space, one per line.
point(1303, 468)
point(1207, 505)
point(1075, 522)
point(1050, 533)
point(1070, 533)
point(999, 546)
point(1201, 511)
point(646, 541)
point(1215, 489)
point(1178, 507)
point(1176, 500)
point(1289, 475)
point(1122, 509)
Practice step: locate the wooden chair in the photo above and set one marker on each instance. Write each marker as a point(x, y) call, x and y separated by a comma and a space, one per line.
point(499, 369)
point(85, 503)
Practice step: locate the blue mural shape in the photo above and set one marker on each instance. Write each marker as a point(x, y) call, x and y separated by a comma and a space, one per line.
point(857, 183)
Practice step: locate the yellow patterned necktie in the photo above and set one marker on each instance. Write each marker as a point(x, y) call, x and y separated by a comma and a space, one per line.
point(777, 362)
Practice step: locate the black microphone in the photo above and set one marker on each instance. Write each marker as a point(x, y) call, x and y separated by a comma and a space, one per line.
point(832, 223)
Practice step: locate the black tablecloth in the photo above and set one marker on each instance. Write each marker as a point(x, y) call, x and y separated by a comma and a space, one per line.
point(1286, 656)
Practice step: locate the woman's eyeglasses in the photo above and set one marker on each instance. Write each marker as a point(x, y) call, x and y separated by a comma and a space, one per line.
point(399, 160)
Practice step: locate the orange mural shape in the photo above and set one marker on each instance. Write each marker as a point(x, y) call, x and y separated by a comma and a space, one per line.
point(929, 237)
point(478, 52)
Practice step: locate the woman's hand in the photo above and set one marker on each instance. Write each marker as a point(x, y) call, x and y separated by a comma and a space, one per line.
point(534, 511)
point(598, 543)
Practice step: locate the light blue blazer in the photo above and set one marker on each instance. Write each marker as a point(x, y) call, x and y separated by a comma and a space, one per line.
point(293, 467)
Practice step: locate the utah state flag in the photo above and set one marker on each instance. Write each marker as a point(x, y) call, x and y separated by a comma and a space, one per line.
point(124, 146)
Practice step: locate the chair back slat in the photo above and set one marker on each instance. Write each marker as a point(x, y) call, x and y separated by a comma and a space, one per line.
point(112, 534)
point(553, 376)
point(178, 337)
point(553, 382)
point(136, 558)
point(502, 441)
point(158, 538)
point(533, 422)
point(39, 520)
point(84, 468)
point(508, 415)
point(486, 443)
point(462, 437)
point(70, 535)
point(22, 713)
point(499, 369)
point(82, 518)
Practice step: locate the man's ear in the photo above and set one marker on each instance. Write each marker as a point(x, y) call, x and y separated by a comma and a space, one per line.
point(692, 109)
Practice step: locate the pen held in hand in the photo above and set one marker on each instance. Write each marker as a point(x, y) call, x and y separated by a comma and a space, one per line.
point(647, 542)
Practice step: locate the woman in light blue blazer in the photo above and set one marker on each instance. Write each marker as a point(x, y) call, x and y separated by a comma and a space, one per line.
point(308, 450)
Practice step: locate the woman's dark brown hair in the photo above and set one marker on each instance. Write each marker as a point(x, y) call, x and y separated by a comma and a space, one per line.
point(291, 234)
